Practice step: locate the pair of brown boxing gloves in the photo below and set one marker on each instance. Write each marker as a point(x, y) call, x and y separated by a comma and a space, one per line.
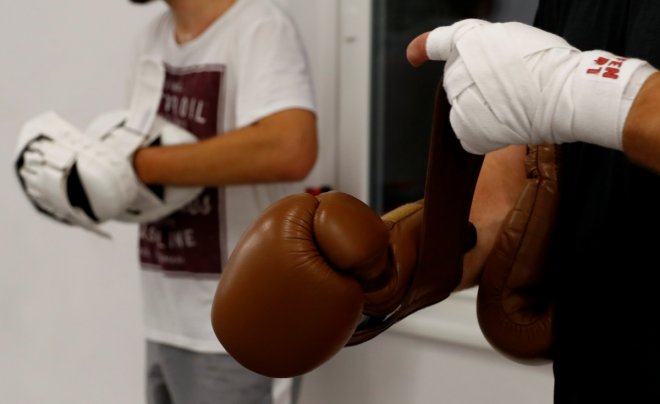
point(317, 273)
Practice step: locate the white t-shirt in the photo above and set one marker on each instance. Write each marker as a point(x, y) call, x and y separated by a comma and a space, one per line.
point(249, 64)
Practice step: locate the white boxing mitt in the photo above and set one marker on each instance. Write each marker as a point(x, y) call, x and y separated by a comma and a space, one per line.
point(510, 83)
point(152, 202)
point(88, 178)
point(71, 176)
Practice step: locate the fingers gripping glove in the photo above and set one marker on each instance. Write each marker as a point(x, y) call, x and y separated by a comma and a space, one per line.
point(509, 83)
point(314, 274)
point(151, 202)
point(70, 176)
point(514, 303)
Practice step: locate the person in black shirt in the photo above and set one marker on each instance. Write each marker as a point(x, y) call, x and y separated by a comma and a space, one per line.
point(605, 249)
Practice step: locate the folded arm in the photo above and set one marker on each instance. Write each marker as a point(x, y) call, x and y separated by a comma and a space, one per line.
point(279, 147)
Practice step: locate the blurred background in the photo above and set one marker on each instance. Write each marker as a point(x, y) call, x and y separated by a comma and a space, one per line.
point(402, 97)
point(70, 316)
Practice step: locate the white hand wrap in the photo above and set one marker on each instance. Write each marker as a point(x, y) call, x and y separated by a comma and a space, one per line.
point(510, 83)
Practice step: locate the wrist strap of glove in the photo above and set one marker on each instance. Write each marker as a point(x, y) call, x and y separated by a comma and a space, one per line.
point(446, 231)
point(147, 92)
point(451, 177)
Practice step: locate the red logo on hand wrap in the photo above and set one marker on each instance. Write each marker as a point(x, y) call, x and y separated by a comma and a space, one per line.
point(607, 68)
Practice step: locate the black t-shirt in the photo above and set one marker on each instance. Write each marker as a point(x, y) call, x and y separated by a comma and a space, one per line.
point(607, 245)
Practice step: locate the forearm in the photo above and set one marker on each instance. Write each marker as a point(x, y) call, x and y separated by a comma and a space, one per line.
point(500, 182)
point(641, 132)
point(278, 148)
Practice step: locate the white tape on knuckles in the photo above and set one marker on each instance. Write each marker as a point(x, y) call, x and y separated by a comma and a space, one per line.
point(501, 75)
point(441, 41)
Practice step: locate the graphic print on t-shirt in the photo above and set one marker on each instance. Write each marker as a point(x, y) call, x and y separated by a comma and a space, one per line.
point(190, 239)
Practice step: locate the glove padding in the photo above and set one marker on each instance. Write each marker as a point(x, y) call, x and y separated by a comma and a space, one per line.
point(152, 202)
point(70, 176)
point(291, 293)
point(514, 301)
point(509, 83)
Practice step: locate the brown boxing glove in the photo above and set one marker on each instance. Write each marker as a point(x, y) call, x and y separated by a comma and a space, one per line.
point(514, 301)
point(292, 292)
point(314, 274)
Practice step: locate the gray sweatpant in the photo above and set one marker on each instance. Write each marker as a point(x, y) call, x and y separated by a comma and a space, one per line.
point(180, 376)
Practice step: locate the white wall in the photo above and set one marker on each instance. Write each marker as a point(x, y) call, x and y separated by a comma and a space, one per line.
point(70, 321)
point(437, 355)
point(70, 325)
point(393, 369)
